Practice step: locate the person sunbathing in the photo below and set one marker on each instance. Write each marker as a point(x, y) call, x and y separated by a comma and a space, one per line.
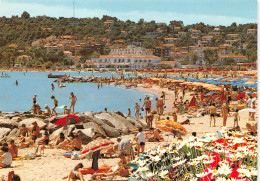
point(74, 174)
point(24, 131)
point(45, 140)
point(154, 137)
point(122, 169)
point(26, 144)
point(60, 139)
point(75, 144)
point(13, 149)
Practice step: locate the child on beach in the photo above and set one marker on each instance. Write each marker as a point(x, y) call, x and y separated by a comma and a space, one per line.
point(48, 110)
point(55, 105)
point(236, 117)
point(13, 149)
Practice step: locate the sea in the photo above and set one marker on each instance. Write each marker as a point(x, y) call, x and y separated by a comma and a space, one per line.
point(19, 98)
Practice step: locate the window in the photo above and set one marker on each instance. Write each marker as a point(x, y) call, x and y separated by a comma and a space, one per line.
point(128, 60)
point(145, 60)
point(123, 60)
point(114, 60)
point(136, 60)
point(140, 61)
point(119, 60)
point(149, 61)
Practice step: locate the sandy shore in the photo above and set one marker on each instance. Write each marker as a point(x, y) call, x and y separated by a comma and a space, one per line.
point(53, 165)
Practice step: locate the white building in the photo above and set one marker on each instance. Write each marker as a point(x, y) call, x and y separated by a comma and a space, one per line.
point(130, 57)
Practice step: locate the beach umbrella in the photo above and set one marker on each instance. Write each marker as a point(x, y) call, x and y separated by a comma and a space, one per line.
point(222, 97)
point(168, 125)
point(192, 102)
point(95, 145)
point(248, 110)
point(61, 119)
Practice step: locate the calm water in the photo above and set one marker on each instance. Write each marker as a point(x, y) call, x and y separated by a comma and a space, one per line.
point(19, 98)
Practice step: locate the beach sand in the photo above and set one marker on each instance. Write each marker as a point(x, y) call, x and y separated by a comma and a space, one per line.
point(53, 165)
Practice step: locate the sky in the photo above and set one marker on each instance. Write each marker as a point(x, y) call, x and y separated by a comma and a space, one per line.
point(212, 12)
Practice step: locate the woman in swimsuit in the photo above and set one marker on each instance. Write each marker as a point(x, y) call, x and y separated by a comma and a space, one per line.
point(75, 173)
point(24, 131)
point(35, 131)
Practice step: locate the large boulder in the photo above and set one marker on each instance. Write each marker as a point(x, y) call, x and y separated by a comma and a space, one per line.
point(28, 122)
point(85, 135)
point(14, 132)
point(89, 114)
point(8, 123)
point(52, 127)
point(4, 133)
point(16, 119)
point(122, 120)
point(109, 129)
point(95, 127)
point(136, 123)
point(66, 132)
point(84, 118)
point(116, 123)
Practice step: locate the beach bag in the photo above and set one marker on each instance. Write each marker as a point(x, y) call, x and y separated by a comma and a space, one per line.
point(75, 156)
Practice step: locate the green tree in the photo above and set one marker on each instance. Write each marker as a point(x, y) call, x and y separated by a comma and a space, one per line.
point(95, 54)
point(25, 15)
point(210, 56)
point(193, 57)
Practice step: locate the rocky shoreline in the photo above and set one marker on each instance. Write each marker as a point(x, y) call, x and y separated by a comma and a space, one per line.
point(111, 124)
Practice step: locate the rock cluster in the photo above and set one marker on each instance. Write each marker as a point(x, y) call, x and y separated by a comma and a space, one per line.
point(111, 124)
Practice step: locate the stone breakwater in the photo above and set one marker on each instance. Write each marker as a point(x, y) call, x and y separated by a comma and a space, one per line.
point(86, 79)
point(111, 124)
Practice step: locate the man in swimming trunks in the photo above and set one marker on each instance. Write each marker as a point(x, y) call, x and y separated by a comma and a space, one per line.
point(55, 105)
point(147, 104)
point(212, 113)
point(73, 101)
point(236, 117)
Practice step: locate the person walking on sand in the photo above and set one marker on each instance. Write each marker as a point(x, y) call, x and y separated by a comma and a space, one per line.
point(225, 113)
point(147, 104)
point(73, 101)
point(55, 105)
point(236, 117)
point(212, 113)
point(137, 110)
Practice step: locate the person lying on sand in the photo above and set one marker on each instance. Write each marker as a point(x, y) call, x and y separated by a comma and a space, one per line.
point(122, 169)
point(75, 174)
point(60, 139)
point(154, 136)
point(26, 144)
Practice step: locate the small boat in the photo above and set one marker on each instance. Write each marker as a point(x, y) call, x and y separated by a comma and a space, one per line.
point(62, 85)
point(5, 76)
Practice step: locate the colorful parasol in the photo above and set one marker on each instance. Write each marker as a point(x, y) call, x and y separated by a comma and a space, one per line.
point(168, 125)
point(223, 97)
point(61, 120)
point(192, 102)
point(95, 145)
